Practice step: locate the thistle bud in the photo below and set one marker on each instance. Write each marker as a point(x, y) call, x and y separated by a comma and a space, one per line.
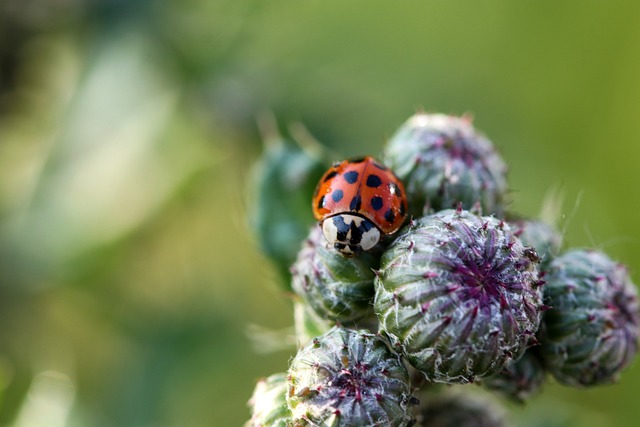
point(442, 161)
point(335, 287)
point(544, 238)
point(348, 378)
point(268, 403)
point(458, 295)
point(519, 379)
point(460, 410)
point(278, 197)
point(591, 331)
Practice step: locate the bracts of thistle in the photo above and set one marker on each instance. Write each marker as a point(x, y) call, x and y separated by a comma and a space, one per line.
point(336, 289)
point(442, 161)
point(590, 333)
point(520, 379)
point(544, 238)
point(459, 295)
point(459, 409)
point(268, 403)
point(348, 378)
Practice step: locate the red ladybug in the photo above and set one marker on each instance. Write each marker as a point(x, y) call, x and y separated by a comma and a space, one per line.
point(358, 201)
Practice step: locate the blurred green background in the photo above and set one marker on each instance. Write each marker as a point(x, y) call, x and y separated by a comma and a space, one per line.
point(130, 283)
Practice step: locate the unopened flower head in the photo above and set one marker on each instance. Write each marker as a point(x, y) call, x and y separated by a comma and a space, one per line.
point(335, 287)
point(544, 238)
point(348, 378)
point(459, 295)
point(268, 403)
point(590, 333)
point(442, 161)
point(519, 379)
point(460, 410)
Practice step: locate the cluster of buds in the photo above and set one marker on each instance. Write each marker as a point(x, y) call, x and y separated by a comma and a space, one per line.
point(463, 293)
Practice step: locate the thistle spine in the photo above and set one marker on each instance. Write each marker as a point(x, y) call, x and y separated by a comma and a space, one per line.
point(458, 295)
point(348, 378)
point(443, 161)
point(590, 333)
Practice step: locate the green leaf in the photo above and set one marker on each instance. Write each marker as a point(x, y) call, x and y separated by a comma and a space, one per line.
point(282, 186)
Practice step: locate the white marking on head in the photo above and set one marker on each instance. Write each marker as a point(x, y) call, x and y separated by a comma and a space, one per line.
point(352, 233)
point(370, 239)
point(330, 231)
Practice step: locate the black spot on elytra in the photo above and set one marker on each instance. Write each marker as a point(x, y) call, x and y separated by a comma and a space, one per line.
point(330, 175)
point(356, 203)
point(337, 195)
point(373, 181)
point(376, 203)
point(351, 177)
point(321, 203)
point(403, 209)
point(389, 216)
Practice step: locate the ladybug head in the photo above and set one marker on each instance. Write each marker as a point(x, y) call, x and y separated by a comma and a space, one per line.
point(350, 234)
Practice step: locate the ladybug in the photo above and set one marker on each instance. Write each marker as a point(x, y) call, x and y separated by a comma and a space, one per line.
point(357, 201)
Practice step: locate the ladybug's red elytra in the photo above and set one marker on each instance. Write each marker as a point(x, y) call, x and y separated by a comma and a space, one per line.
point(358, 201)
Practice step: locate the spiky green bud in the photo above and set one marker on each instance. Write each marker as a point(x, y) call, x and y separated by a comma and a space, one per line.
point(348, 378)
point(278, 202)
point(460, 410)
point(442, 161)
point(591, 331)
point(544, 238)
point(337, 288)
point(458, 294)
point(519, 379)
point(268, 403)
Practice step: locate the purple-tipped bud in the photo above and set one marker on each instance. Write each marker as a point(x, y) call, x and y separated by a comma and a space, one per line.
point(519, 379)
point(541, 236)
point(336, 288)
point(460, 410)
point(348, 378)
point(457, 294)
point(591, 332)
point(442, 161)
point(268, 403)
